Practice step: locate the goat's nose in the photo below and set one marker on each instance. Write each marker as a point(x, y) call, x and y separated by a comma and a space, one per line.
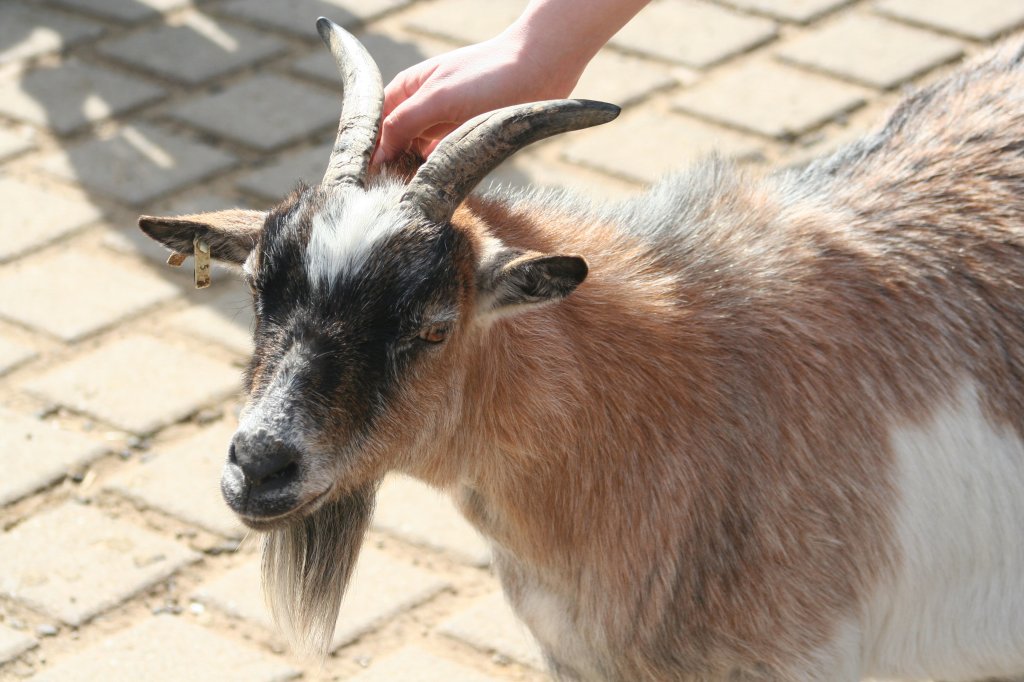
point(262, 457)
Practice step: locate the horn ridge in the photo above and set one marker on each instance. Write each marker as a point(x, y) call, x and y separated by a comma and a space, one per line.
point(479, 145)
point(362, 106)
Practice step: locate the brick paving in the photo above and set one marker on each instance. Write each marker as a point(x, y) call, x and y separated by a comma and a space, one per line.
point(870, 50)
point(32, 288)
point(119, 382)
point(279, 110)
point(36, 216)
point(12, 144)
point(14, 643)
point(186, 53)
point(153, 650)
point(136, 164)
point(381, 588)
point(67, 97)
point(182, 479)
point(37, 453)
point(103, 561)
point(491, 626)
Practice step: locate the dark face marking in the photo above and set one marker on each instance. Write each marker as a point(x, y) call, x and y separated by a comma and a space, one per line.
point(330, 355)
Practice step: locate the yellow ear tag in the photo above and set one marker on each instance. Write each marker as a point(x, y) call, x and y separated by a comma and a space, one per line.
point(176, 259)
point(202, 263)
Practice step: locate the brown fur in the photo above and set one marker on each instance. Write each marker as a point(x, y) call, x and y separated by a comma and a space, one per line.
point(697, 448)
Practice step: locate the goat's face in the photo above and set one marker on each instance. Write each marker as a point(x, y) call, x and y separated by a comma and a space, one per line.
point(362, 306)
point(356, 303)
point(355, 299)
point(365, 292)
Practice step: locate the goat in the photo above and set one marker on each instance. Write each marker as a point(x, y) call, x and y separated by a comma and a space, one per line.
point(735, 428)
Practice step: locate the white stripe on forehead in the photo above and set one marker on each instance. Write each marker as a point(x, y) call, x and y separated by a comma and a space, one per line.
point(346, 229)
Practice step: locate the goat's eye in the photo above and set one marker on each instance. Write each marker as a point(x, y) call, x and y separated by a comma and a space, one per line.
point(435, 333)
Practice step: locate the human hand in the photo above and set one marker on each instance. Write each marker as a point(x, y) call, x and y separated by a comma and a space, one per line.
point(429, 100)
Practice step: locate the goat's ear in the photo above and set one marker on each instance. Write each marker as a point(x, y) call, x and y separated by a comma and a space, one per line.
point(511, 280)
point(231, 234)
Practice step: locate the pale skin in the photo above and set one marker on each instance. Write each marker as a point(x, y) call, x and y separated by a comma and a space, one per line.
point(540, 56)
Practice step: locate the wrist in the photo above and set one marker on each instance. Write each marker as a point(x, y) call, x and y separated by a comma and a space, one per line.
point(548, 53)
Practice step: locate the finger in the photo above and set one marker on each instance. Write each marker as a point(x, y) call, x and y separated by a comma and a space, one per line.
point(439, 130)
point(428, 148)
point(402, 126)
point(405, 85)
point(425, 144)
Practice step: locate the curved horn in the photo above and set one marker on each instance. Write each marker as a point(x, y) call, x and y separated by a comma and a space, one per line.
point(479, 145)
point(360, 111)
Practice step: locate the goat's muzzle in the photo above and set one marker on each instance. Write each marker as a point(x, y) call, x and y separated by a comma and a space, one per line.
point(261, 480)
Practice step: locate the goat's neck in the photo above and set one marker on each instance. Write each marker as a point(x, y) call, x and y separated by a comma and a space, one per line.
point(557, 420)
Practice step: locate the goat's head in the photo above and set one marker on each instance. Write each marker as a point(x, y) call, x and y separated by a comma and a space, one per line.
point(364, 290)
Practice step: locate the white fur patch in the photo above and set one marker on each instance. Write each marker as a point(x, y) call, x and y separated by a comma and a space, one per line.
point(956, 608)
point(547, 616)
point(346, 230)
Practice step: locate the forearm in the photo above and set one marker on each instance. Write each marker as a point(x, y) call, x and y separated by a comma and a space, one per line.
point(568, 33)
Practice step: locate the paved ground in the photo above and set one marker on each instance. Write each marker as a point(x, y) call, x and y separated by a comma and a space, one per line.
point(118, 382)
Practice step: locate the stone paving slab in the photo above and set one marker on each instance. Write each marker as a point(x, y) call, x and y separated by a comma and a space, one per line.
point(462, 21)
point(138, 163)
point(233, 331)
point(644, 147)
point(223, 316)
point(68, 97)
point(299, 16)
point(138, 383)
point(12, 144)
point(692, 32)
point(418, 514)
point(34, 216)
point(490, 626)
point(37, 453)
point(14, 643)
point(275, 179)
point(871, 50)
point(413, 663)
point(264, 112)
point(72, 562)
point(622, 79)
point(72, 295)
point(977, 19)
point(192, 52)
point(182, 479)
point(13, 354)
point(801, 11)
point(381, 588)
point(29, 30)
point(168, 649)
point(770, 99)
point(392, 54)
point(123, 10)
